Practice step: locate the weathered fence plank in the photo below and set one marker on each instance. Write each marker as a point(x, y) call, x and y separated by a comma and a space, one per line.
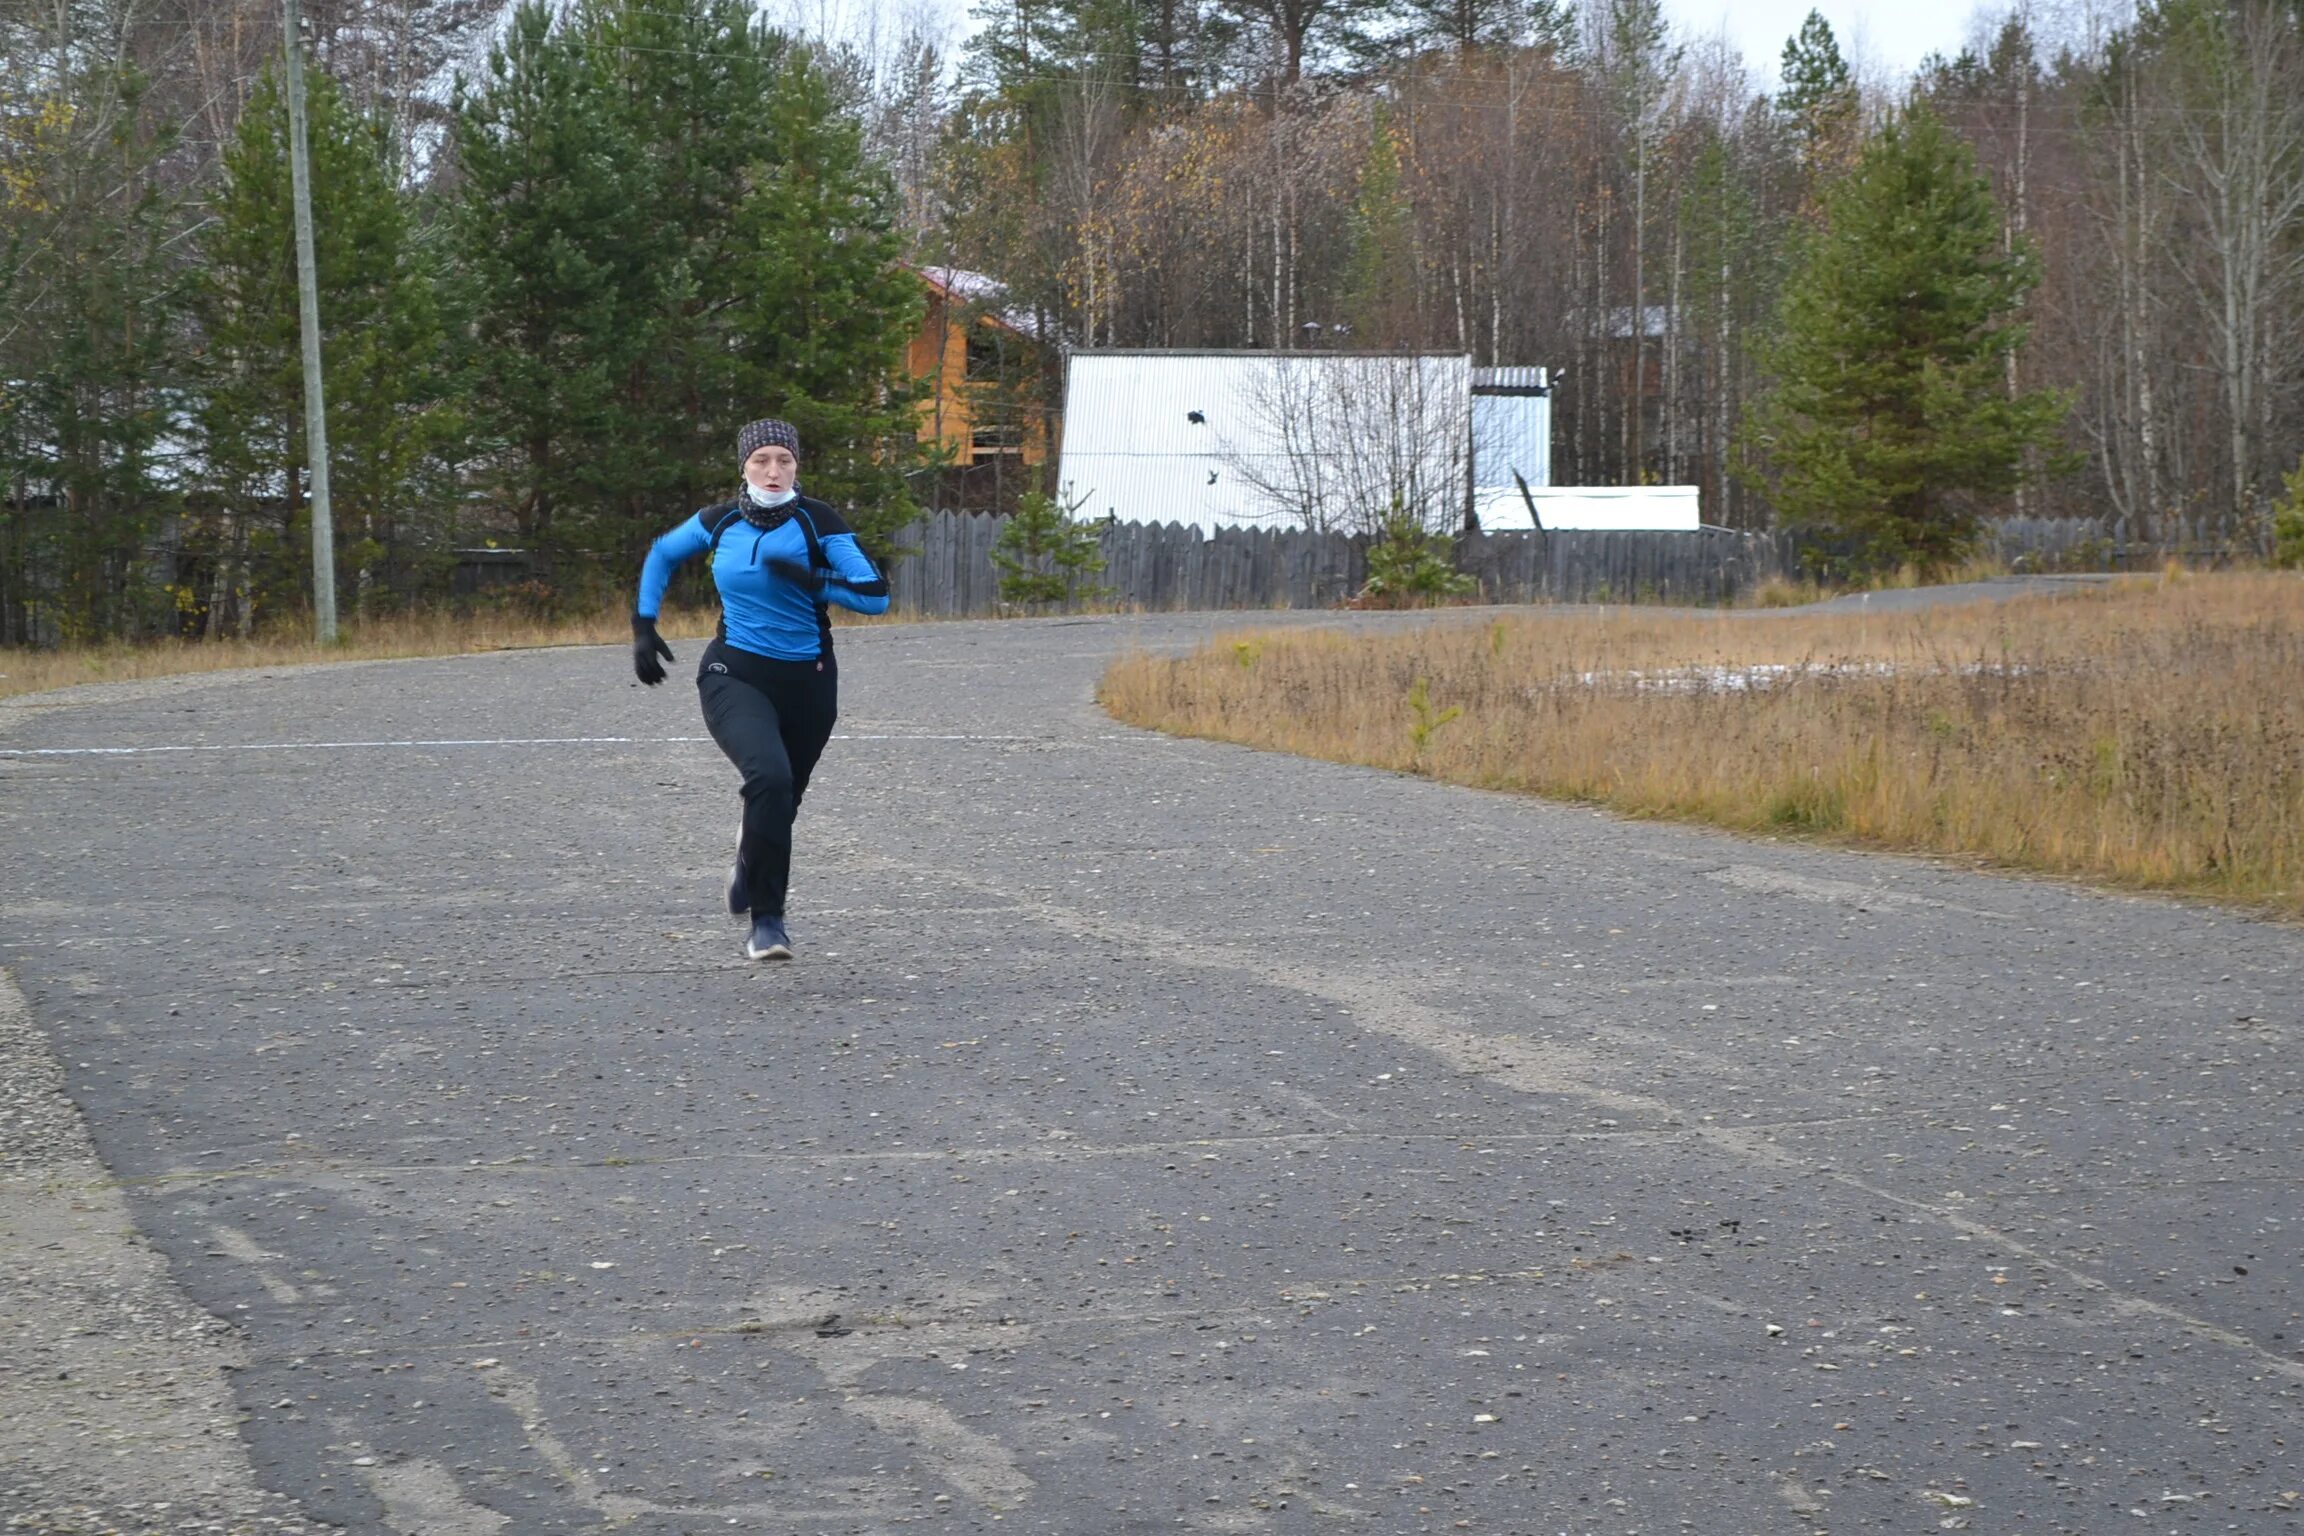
point(948, 570)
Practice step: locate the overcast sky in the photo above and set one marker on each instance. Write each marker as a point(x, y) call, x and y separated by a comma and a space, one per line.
point(1886, 39)
point(1892, 35)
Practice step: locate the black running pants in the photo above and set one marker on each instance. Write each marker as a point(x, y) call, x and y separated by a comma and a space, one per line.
point(772, 719)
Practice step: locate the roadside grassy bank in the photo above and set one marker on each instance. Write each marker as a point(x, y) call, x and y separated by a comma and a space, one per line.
point(2148, 734)
point(441, 634)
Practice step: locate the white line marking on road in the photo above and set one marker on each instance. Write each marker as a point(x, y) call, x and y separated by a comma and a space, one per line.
point(241, 1246)
point(979, 1466)
point(484, 741)
point(344, 746)
point(525, 1396)
point(424, 1496)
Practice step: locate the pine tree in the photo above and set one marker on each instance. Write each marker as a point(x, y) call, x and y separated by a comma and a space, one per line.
point(1463, 25)
point(1733, 274)
point(669, 228)
point(381, 344)
point(1641, 60)
point(1819, 97)
point(822, 308)
point(1890, 415)
point(89, 354)
point(550, 265)
point(1379, 281)
point(1035, 54)
point(1409, 565)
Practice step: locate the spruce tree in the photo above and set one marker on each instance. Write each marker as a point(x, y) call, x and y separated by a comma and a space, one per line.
point(822, 308)
point(1889, 415)
point(89, 357)
point(381, 341)
point(694, 90)
point(550, 267)
point(668, 228)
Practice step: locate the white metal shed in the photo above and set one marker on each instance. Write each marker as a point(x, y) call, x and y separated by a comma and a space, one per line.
point(1661, 508)
point(1259, 439)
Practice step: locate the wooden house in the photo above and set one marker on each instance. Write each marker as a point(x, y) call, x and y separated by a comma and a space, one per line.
point(980, 361)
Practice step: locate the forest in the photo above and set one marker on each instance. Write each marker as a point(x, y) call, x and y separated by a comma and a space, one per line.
point(564, 249)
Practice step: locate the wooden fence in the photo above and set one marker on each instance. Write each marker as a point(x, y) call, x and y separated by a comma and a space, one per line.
point(948, 571)
point(2102, 544)
point(1160, 566)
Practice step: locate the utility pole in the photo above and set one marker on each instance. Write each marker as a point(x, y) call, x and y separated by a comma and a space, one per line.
point(308, 293)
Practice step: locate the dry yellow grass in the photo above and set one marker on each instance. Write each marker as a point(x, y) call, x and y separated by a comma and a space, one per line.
point(34, 671)
point(2149, 734)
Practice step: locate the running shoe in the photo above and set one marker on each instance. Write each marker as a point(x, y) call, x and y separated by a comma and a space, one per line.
point(739, 898)
point(769, 941)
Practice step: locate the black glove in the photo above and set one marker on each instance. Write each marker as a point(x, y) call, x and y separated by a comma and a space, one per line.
point(647, 645)
point(808, 581)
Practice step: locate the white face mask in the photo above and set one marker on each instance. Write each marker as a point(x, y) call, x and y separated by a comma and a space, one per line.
point(767, 501)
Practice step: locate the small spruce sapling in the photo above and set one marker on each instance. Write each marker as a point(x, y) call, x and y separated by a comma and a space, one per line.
point(1408, 566)
point(1044, 557)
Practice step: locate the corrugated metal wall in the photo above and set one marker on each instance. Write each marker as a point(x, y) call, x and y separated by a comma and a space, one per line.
point(1201, 438)
point(1511, 426)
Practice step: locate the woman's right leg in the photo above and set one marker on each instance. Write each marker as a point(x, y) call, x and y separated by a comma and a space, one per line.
point(744, 723)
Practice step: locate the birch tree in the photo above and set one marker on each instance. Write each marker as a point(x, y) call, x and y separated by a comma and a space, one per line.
point(2237, 168)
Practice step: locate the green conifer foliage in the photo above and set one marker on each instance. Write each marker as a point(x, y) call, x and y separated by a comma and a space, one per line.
point(2288, 521)
point(552, 268)
point(1819, 98)
point(87, 360)
point(823, 308)
point(1410, 566)
point(381, 363)
point(1377, 292)
point(668, 229)
point(1890, 415)
point(1045, 559)
point(692, 90)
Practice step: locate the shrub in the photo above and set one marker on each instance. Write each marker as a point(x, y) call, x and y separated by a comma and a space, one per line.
point(1044, 557)
point(1408, 566)
point(2288, 522)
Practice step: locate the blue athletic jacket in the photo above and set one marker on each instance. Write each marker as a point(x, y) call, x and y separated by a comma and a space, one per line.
point(760, 611)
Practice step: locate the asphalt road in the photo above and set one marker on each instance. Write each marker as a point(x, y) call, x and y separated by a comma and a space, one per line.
point(1152, 1135)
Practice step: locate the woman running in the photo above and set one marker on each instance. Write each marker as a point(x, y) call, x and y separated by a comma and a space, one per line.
point(768, 684)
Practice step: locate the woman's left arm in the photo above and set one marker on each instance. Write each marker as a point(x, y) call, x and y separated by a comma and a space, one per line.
point(852, 582)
